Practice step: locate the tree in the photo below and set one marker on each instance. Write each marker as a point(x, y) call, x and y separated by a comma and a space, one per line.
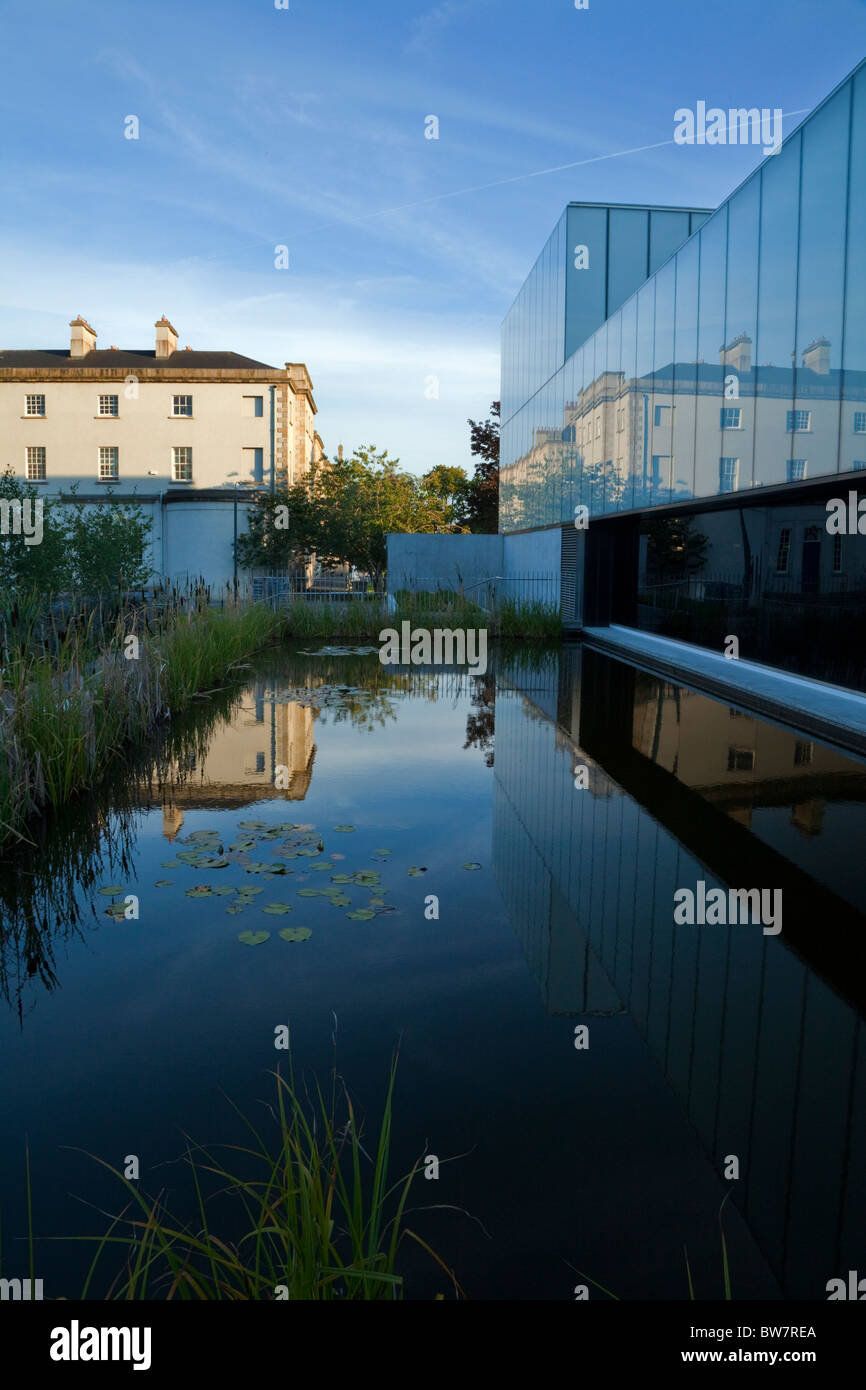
point(482, 506)
point(109, 543)
point(342, 511)
point(449, 486)
point(46, 564)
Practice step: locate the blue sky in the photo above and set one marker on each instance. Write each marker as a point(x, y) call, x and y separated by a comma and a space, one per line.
point(305, 127)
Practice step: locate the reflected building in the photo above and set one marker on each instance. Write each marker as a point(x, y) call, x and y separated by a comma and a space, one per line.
point(708, 415)
point(262, 737)
point(760, 1037)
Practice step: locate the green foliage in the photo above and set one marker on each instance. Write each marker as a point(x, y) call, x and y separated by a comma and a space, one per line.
point(342, 510)
point(91, 549)
point(482, 496)
point(320, 1217)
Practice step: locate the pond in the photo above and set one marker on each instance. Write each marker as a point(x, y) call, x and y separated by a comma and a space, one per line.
point(481, 871)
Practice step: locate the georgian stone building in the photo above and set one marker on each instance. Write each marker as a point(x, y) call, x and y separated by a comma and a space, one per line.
point(190, 436)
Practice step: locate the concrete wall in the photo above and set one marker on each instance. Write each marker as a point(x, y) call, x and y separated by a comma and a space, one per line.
point(442, 561)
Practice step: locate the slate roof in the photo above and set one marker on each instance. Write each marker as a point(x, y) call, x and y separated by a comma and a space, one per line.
point(54, 358)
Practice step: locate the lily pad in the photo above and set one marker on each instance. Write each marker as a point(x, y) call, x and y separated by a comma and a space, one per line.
point(170, 864)
point(163, 883)
point(344, 828)
point(198, 835)
point(472, 866)
point(257, 867)
point(277, 909)
point(116, 912)
point(224, 890)
point(342, 878)
point(296, 933)
point(252, 825)
point(201, 890)
point(207, 862)
point(377, 902)
point(383, 851)
point(414, 872)
point(310, 893)
point(253, 938)
point(340, 900)
point(240, 845)
point(249, 890)
point(235, 908)
point(363, 914)
point(111, 890)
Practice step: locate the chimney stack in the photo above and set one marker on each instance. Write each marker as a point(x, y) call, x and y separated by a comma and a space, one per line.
point(737, 354)
point(166, 338)
point(82, 339)
point(816, 357)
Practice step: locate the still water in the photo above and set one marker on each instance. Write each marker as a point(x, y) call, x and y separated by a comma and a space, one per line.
point(555, 913)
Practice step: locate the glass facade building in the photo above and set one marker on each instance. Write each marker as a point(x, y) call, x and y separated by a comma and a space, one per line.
point(738, 364)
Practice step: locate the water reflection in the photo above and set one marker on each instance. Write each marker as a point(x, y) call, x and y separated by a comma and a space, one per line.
point(761, 1038)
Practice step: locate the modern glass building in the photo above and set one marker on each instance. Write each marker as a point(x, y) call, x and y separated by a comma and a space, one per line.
point(709, 416)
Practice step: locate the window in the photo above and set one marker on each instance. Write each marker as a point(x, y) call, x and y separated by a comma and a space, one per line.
point(859, 463)
point(661, 415)
point(796, 469)
point(107, 462)
point(729, 474)
point(181, 405)
point(254, 465)
point(108, 405)
point(798, 421)
point(598, 427)
point(731, 417)
point(784, 551)
point(260, 762)
point(859, 421)
point(803, 753)
point(34, 405)
point(181, 465)
point(254, 406)
point(837, 554)
point(620, 421)
point(741, 759)
point(36, 464)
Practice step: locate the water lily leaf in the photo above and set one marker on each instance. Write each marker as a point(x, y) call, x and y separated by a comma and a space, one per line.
point(188, 856)
point(257, 867)
point(197, 835)
point(206, 862)
point(415, 871)
point(310, 893)
point(235, 908)
point(377, 902)
point(200, 891)
point(340, 900)
point(253, 938)
point(170, 864)
point(276, 909)
point(342, 878)
point(249, 890)
point(383, 851)
point(296, 933)
point(111, 890)
point(240, 845)
point(472, 866)
point(344, 828)
point(224, 890)
point(308, 853)
point(116, 913)
point(252, 825)
point(363, 914)
point(163, 883)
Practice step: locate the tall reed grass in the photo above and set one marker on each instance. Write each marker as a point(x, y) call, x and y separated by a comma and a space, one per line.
point(314, 1215)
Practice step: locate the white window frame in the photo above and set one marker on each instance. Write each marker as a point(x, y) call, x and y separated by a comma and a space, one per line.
point(181, 459)
point(860, 421)
point(792, 475)
point(793, 416)
point(178, 407)
point(736, 410)
point(108, 459)
point(108, 407)
point(39, 398)
point(35, 458)
point(734, 473)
